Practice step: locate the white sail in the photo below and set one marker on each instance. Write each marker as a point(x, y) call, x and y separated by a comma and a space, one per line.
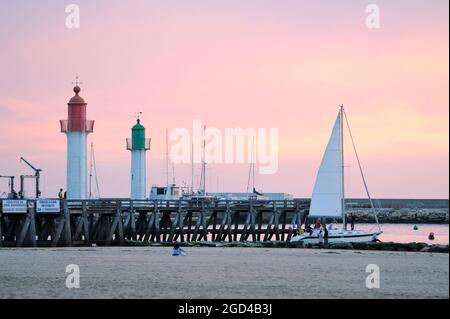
point(327, 194)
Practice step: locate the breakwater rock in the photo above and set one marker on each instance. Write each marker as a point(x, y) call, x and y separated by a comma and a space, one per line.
point(402, 215)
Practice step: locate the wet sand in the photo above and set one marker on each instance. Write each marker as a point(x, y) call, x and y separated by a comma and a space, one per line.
point(151, 272)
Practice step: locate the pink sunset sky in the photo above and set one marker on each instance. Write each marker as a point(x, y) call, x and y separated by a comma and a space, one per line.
point(230, 63)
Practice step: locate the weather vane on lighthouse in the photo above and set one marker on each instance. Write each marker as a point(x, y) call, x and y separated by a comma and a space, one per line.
point(137, 115)
point(77, 82)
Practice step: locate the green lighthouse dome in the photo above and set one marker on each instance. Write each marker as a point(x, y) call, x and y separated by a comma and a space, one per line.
point(138, 136)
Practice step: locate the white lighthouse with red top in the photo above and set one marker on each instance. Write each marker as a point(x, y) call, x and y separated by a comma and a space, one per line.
point(76, 128)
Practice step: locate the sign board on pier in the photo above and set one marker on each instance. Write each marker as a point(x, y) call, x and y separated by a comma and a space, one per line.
point(48, 206)
point(14, 206)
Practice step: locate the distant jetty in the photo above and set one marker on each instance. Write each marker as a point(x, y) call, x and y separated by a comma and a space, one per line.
point(403, 216)
point(401, 211)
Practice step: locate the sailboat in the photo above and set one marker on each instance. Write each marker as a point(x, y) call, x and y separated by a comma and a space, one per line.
point(328, 198)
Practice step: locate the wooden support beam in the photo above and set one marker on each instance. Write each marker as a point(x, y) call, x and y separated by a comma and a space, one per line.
point(126, 225)
point(189, 226)
point(252, 223)
point(112, 230)
point(23, 230)
point(173, 228)
point(283, 225)
point(67, 229)
point(222, 226)
point(269, 226)
point(293, 221)
point(237, 216)
point(94, 225)
point(120, 224)
point(277, 225)
point(116, 226)
point(150, 226)
point(244, 234)
point(78, 228)
point(229, 226)
point(198, 224)
point(132, 221)
point(12, 224)
point(32, 230)
point(157, 232)
point(84, 212)
point(259, 220)
point(181, 226)
point(165, 226)
point(141, 225)
point(213, 220)
point(42, 228)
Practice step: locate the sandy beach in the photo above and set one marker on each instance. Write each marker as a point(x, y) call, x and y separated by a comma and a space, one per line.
point(151, 272)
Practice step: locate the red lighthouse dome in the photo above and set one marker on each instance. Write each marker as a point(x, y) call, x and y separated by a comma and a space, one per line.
point(76, 117)
point(77, 99)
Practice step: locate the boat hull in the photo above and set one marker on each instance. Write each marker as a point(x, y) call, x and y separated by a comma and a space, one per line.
point(338, 236)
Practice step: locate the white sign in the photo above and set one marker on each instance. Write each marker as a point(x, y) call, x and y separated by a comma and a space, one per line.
point(14, 206)
point(47, 206)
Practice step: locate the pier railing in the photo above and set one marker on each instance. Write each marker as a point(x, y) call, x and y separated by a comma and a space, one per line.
point(116, 221)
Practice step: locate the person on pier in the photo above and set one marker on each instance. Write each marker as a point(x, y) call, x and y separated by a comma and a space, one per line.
point(61, 194)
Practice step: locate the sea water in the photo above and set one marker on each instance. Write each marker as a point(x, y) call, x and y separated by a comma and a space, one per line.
point(405, 233)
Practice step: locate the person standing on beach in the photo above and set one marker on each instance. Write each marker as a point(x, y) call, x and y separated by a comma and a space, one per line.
point(352, 221)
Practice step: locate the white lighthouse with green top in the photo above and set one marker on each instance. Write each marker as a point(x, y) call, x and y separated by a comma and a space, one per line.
point(138, 145)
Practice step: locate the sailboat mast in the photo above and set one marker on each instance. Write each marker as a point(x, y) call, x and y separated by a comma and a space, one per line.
point(90, 171)
point(253, 162)
point(203, 174)
point(251, 170)
point(341, 119)
point(192, 169)
point(167, 157)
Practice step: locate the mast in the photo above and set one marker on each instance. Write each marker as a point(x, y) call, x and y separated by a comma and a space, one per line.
point(93, 173)
point(253, 163)
point(90, 173)
point(204, 162)
point(173, 174)
point(167, 157)
point(192, 169)
point(341, 119)
point(251, 171)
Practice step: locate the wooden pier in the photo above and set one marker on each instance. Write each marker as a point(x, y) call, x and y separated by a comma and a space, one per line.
point(108, 222)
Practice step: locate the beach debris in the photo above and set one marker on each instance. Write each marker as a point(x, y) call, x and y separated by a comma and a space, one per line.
point(178, 251)
point(431, 236)
point(416, 227)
